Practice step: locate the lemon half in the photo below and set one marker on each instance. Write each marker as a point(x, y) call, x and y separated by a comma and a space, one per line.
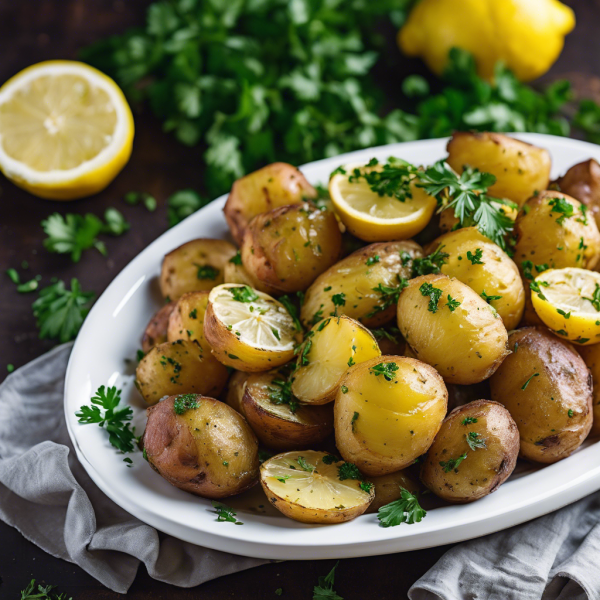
point(568, 301)
point(375, 218)
point(66, 130)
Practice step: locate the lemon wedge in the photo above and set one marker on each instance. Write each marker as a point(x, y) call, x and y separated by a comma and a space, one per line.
point(568, 302)
point(247, 329)
point(375, 218)
point(308, 486)
point(66, 130)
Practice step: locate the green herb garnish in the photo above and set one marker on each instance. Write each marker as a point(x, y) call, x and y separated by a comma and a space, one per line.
point(244, 294)
point(404, 510)
point(452, 463)
point(434, 294)
point(225, 513)
point(185, 402)
point(387, 369)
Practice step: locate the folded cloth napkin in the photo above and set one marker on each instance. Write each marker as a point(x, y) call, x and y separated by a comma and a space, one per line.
point(47, 495)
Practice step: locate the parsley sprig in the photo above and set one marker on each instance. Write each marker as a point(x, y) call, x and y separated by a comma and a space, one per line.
point(106, 413)
point(41, 592)
point(404, 510)
point(225, 513)
point(324, 590)
point(392, 179)
point(434, 295)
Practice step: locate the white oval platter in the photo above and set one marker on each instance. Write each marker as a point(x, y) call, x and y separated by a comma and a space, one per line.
point(104, 354)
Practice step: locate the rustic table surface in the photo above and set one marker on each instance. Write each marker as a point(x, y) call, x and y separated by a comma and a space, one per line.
point(36, 30)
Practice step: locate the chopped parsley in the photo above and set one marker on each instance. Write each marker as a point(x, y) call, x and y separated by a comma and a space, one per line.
point(392, 180)
point(276, 334)
point(344, 389)
point(207, 272)
point(570, 413)
point(292, 310)
point(434, 294)
point(329, 459)
point(474, 440)
point(404, 510)
point(468, 420)
point(388, 296)
point(185, 402)
point(429, 265)
point(354, 419)
point(595, 299)
point(563, 207)
point(489, 298)
point(372, 260)
point(566, 315)
point(452, 304)
point(452, 463)
point(349, 470)
point(475, 258)
point(244, 294)
point(387, 369)
point(366, 486)
point(281, 393)
point(534, 286)
point(390, 334)
point(306, 466)
point(524, 387)
point(338, 300)
point(528, 267)
point(283, 478)
point(236, 259)
point(225, 513)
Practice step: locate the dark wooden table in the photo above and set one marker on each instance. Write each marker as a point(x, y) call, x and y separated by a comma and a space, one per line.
point(35, 30)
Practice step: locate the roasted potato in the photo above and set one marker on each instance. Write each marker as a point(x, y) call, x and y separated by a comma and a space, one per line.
point(308, 486)
point(451, 328)
point(521, 169)
point(551, 230)
point(186, 322)
point(388, 488)
point(387, 412)
point(582, 182)
point(288, 247)
point(272, 186)
point(248, 330)
point(363, 280)
point(236, 386)
point(330, 347)
point(547, 388)
point(179, 367)
point(201, 445)
point(194, 267)
point(486, 268)
point(279, 421)
point(156, 330)
point(473, 454)
point(591, 357)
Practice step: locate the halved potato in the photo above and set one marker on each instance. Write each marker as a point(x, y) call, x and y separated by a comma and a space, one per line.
point(387, 412)
point(272, 186)
point(330, 349)
point(179, 367)
point(201, 445)
point(236, 386)
point(452, 328)
point(187, 319)
point(156, 330)
point(279, 421)
point(307, 486)
point(288, 247)
point(365, 281)
point(388, 488)
point(582, 182)
point(247, 329)
point(193, 267)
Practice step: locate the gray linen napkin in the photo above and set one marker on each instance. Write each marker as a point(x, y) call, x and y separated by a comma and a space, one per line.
point(47, 495)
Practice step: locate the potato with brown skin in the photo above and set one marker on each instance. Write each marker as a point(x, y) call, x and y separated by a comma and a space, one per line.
point(287, 248)
point(201, 445)
point(356, 277)
point(156, 330)
point(484, 267)
point(551, 229)
point(187, 319)
point(473, 454)
point(591, 357)
point(194, 267)
point(179, 367)
point(465, 342)
point(236, 273)
point(388, 488)
point(547, 388)
point(582, 182)
point(387, 412)
point(520, 168)
point(272, 186)
point(277, 423)
point(236, 386)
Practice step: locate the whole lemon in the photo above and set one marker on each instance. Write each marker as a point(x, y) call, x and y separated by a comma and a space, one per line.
point(527, 35)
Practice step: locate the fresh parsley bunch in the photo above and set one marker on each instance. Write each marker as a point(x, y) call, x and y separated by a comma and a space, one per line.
point(257, 81)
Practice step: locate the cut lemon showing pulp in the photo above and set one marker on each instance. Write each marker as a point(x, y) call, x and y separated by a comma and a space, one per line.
point(375, 218)
point(66, 130)
point(306, 486)
point(247, 329)
point(568, 301)
point(335, 344)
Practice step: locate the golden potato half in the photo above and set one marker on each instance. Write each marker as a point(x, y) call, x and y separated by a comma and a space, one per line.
point(186, 321)
point(387, 412)
point(247, 329)
point(547, 388)
point(279, 421)
point(201, 445)
point(307, 486)
point(331, 348)
point(582, 182)
point(272, 186)
point(484, 267)
point(179, 367)
point(520, 168)
point(474, 452)
point(363, 279)
point(194, 267)
point(451, 328)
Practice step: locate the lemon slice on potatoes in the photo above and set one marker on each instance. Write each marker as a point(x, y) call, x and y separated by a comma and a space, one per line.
point(568, 301)
point(247, 329)
point(375, 218)
point(66, 130)
point(309, 487)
